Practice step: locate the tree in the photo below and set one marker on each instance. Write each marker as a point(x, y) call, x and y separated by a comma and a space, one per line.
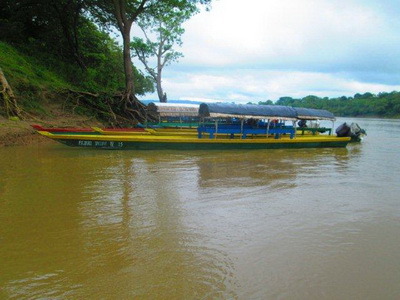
point(121, 14)
point(166, 26)
point(268, 102)
point(53, 23)
point(7, 95)
point(289, 101)
point(69, 14)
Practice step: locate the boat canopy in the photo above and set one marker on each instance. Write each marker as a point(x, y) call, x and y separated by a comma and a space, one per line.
point(313, 114)
point(247, 111)
point(174, 109)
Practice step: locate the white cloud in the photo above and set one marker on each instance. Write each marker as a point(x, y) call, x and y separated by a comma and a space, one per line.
point(260, 85)
point(264, 49)
point(285, 32)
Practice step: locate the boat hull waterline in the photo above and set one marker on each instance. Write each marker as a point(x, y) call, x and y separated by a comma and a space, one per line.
point(146, 142)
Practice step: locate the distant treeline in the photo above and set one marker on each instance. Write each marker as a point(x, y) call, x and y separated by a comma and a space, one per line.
point(361, 105)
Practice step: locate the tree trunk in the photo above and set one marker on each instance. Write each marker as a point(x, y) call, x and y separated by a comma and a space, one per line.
point(129, 84)
point(10, 102)
point(131, 105)
point(161, 95)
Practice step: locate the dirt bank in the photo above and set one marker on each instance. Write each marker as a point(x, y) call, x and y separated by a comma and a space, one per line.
point(17, 132)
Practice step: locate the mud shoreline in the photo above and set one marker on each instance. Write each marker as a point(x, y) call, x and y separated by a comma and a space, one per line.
point(20, 132)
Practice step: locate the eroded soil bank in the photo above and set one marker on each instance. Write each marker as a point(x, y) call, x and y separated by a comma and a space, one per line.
point(20, 132)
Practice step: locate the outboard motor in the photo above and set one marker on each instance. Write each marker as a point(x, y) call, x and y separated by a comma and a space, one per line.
point(354, 131)
point(343, 130)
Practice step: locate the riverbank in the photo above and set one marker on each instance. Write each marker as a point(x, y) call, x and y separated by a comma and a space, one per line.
point(20, 132)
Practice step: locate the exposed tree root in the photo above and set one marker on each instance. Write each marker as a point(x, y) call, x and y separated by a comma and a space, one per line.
point(118, 110)
point(9, 101)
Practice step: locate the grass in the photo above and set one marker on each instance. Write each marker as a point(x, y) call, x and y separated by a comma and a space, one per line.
point(32, 83)
point(26, 71)
point(23, 71)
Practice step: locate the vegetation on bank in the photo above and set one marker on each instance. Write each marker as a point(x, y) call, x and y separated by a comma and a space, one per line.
point(41, 79)
point(71, 39)
point(386, 105)
point(50, 57)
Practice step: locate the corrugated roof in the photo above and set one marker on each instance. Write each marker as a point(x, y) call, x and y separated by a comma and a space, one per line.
point(174, 109)
point(247, 111)
point(314, 114)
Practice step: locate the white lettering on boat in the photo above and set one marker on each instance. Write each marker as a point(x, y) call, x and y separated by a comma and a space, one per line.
point(85, 143)
point(101, 144)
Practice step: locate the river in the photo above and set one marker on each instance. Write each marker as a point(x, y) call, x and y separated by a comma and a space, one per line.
point(264, 224)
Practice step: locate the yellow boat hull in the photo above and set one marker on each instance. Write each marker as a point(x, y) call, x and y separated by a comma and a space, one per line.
point(149, 142)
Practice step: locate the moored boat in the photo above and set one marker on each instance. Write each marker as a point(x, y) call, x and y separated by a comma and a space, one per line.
point(235, 127)
point(92, 130)
point(62, 129)
point(152, 142)
point(120, 131)
point(148, 131)
point(173, 116)
point(313, 117)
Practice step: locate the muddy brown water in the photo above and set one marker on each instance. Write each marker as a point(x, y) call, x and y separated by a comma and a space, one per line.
point(276, 224)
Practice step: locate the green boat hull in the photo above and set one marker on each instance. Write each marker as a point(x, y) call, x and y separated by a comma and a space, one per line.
point(134, 145)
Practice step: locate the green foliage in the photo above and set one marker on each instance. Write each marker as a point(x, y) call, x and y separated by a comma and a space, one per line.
point(365, 105)
point(104, 10)
point(268, 102)
point(52, 46)
point(26, 73)
point(162, 27)
point(31, 81)
point(61, 38)
point(164, 17)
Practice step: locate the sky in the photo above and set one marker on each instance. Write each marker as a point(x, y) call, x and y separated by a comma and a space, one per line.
point(258, 50)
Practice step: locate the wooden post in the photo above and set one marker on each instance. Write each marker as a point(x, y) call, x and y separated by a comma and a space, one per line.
point(241, 128)
point(216, 128)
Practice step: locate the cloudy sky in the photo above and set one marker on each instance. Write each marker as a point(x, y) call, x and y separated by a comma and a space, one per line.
point(256, 50)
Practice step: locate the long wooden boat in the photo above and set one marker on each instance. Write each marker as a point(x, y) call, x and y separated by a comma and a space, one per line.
point(239, 128)
point(148, 131)
point(153, 142)
point(61, 129)
point(120, 131)
point(151, 131)
point(92, 130)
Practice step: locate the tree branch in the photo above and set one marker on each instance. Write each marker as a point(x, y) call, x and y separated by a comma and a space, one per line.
point(139, 10)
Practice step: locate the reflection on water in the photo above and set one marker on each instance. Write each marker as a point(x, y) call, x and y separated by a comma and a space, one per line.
point(276, 169)
point(307, 223)
point(109, 221)
point(158, 251)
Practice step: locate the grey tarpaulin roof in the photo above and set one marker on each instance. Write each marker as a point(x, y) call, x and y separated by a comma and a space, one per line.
point(313, 114)
point(247, 111)
point(174, 109)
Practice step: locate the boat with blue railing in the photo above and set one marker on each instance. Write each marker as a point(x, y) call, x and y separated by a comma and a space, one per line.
point(221, 126)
